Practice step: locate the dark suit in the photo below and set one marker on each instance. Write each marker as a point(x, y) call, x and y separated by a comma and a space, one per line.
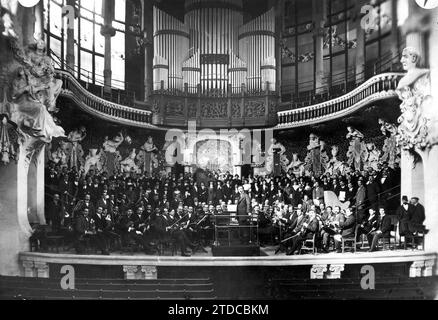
point(305, 233)
point(404, 217)
point(385, 226)
point(348, 227)
point(55, 214)
point(417, 218)
point(243, 209)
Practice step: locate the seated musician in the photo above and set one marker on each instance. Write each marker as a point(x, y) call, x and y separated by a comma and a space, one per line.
point(309, 228)
point(84, 226)
point(329, 226)
point(293, 230)
point(347, 227)
point(383, 230)
point(100, 225)
point(369, 225)
point(176, 228)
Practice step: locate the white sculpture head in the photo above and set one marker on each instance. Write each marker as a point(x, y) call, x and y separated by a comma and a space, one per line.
point(410, 58)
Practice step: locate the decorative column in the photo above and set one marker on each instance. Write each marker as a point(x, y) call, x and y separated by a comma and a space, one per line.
point(70, 48)
point(417, 132)
point(108, 32)
point(28, 267)
point(39, 21)
point(29, 126)
point(335, 271)
point(319, 14)
point(149, 272)
point(42, 269)
point(360, 49)
point(40, 185)
point(395, 39)
point(149, 48)
point(317, 271)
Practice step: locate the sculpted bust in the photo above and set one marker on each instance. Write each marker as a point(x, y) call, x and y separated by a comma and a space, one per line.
point(418, 119)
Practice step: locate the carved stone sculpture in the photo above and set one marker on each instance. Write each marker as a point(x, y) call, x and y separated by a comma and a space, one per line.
point(418, 122)
point(356, 153)
point(93, 160)
point(390, 151)
point(296, 165)
point(335, 166)
point(317, 158)
point(372, 157)
point(76, 156)
point(128, 164)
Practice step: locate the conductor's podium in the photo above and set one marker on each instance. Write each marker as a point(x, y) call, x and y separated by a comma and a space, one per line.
point(235, 235)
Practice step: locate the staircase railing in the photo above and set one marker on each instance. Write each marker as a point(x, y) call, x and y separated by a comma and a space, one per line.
point(379, 87)
point(102, 108)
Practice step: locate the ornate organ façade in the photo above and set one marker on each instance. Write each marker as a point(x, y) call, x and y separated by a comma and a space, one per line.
point(212, 51)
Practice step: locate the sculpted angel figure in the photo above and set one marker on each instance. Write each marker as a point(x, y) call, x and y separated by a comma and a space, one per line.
point(357, 149)
point(93, 160)
point(29, 113)
point(77, 153)
point(280, 149)
point(148, 156)
point(296, 165)
point(128, 164)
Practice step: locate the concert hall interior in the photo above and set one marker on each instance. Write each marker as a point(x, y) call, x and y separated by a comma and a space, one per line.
point(286, 143)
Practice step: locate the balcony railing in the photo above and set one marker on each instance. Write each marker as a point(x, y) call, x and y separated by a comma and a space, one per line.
point(100, 107)
point(379, 87)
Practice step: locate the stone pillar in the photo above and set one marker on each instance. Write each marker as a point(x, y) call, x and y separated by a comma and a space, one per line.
point(39, 22)
point(14, 227)
point(70, 48)
point(149, 48)
point(406, 166)
point(108, 32)
point(360, 49)
point(40, 185)
point(319, 14)
point(394, 40)
point(430, 160)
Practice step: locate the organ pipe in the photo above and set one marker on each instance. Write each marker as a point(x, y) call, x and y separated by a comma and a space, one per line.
point(214, 49)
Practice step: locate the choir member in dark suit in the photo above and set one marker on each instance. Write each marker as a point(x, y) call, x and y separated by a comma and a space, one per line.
point(55, 213)
point(418, 216)
point(404, 213)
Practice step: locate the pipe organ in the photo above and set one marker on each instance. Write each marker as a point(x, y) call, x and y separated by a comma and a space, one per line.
point(212, 51)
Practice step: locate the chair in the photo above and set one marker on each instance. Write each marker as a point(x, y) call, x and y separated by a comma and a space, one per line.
point(55, 242)
point(350, 240)
point(306, 243)
point(392, 235)
point(414, 238)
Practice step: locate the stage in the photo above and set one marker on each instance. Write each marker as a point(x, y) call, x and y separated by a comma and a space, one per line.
point(313, 266)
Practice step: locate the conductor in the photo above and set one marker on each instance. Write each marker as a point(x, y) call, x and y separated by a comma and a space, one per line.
point(243, 211)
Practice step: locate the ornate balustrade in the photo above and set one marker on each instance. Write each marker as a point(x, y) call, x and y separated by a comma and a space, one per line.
point(231, 111)
point(102, 108)
point(379, 87)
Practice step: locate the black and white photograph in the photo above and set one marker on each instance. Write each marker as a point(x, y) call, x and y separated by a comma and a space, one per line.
point(200, 151)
